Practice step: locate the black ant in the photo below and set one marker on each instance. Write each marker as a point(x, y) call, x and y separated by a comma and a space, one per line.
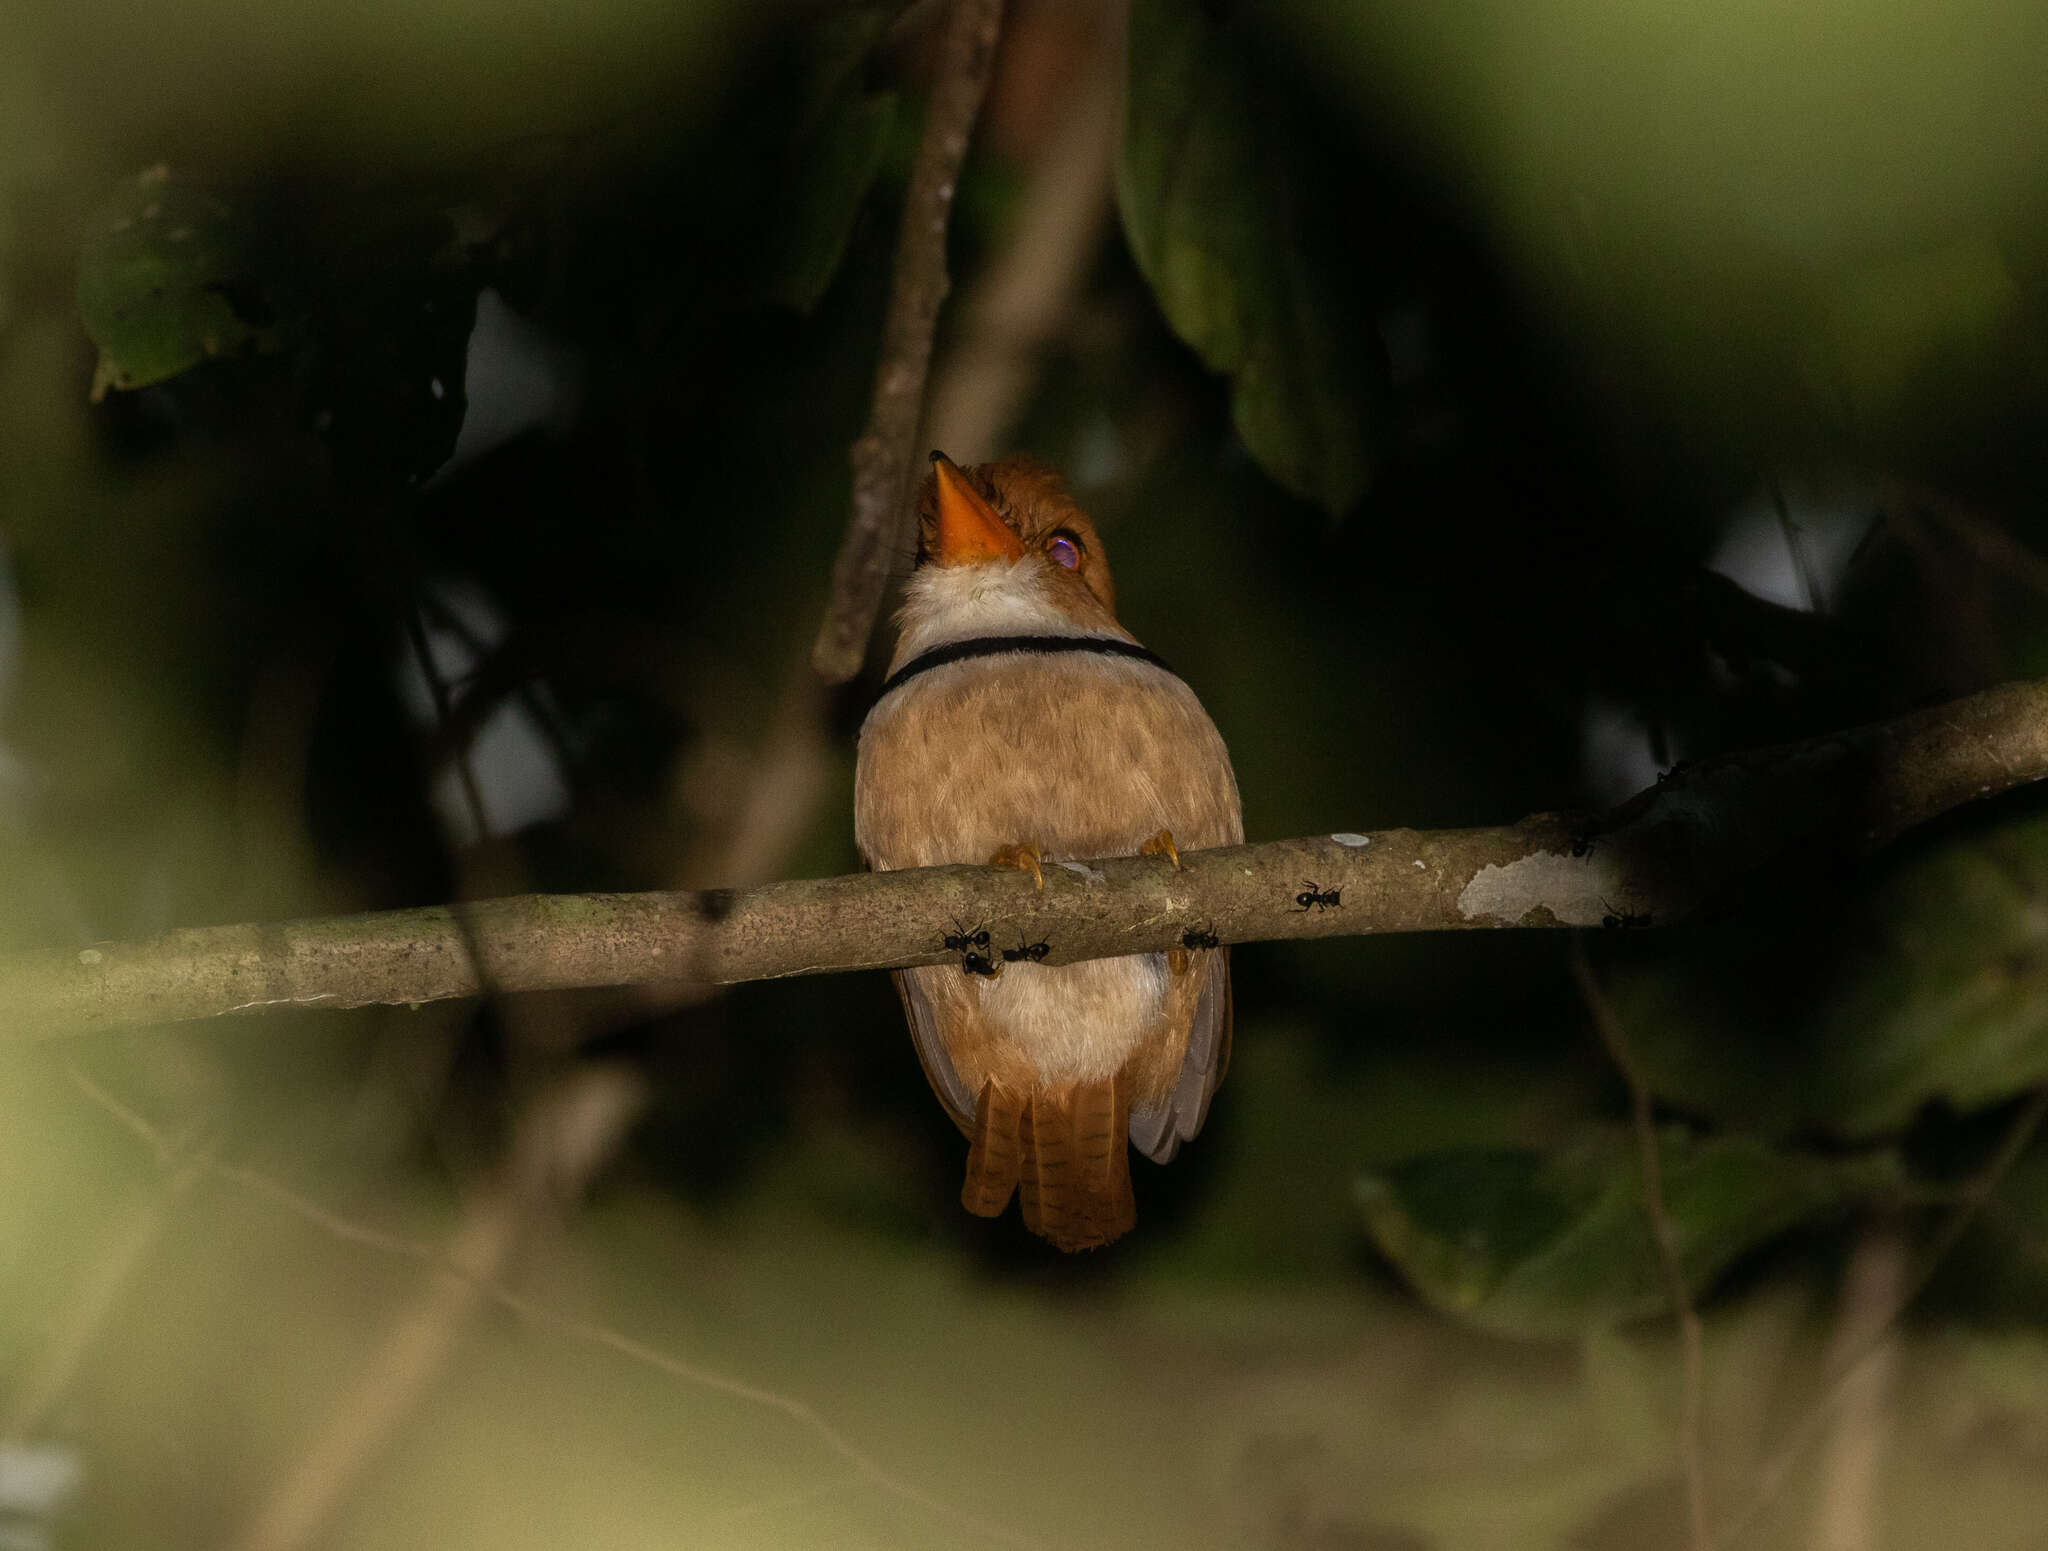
point(1623, 920)
point(1582, 845)
point(960, 940)
point(975, 959)
point(1034, 951)
point(1318, 898)
point(1198, 937)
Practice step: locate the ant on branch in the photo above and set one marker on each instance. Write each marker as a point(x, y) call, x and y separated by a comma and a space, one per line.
point(1623, 920)
point(1034, 951)
point(972, 946)
point(960, 940)
point(1199, 937)
point(1315, 897)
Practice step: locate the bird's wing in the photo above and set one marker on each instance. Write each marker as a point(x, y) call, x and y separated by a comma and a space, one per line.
point(1158, 1132)
point(931, 1050)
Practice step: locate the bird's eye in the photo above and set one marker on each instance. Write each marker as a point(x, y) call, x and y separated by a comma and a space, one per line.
point(1065, 549)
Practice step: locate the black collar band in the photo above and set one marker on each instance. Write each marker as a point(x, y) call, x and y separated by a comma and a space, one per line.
point(997, 645)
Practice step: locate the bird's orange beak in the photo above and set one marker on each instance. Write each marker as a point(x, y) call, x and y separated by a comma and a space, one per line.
point(969, 529)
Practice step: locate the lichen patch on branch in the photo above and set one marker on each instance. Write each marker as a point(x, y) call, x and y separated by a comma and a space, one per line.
point(1575, 890)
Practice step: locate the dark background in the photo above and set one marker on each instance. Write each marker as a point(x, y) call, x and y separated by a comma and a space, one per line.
point(1493, 405)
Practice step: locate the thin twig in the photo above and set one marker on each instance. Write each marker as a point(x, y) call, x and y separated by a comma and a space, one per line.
point(489, 685)
point(886, 454)
point(444, 718)
point(1795, 546)
point(1971, 1201)
point(1691, 1446)
point(564, 1137)
point(472, 792)
point(1846, 1517)
point(455, 1270)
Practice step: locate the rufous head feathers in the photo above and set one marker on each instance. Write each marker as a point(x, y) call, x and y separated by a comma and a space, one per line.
point(1016, 512)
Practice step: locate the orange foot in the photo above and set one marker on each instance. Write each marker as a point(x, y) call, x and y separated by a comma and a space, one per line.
point(1025, 858)
point(1162, 844)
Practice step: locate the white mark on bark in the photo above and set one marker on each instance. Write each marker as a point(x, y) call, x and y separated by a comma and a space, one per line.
point(1568, 887)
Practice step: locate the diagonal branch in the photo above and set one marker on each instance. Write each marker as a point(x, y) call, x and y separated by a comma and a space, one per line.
point(459, 1277)
point(886, 454)
point(1873, 1330)
point(1695, 840)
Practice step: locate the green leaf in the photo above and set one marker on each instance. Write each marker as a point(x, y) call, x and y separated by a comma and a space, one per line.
point(373, 299)
point(834, 156)
point(1946, 994)
point(1931, 986)
point(1210, 186)
point(1534, 1244)
point(170, 277)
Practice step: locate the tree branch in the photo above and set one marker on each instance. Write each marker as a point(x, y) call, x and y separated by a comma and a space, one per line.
point(1694, 840)
point(886, 454)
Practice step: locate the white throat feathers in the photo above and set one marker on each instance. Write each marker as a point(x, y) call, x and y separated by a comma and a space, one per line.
point(943, 603)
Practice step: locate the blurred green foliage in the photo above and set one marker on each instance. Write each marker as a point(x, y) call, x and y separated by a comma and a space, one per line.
point(1217, 191)
point(1435, 355)
point(1926, 988)
point(833, 158)
point(167, 280)
point(1548, 1243)
point(1735, 218)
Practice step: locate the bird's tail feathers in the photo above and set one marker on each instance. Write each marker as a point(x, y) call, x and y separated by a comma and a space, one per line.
point(1064, 1151)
